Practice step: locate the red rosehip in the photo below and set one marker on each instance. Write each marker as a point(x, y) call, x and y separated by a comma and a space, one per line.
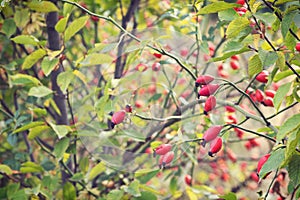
point(138, 104)
point(298, 46)
point(254, 177)
point(248, 145)
point(231, 155)
point(162, 149)
point(203, 80)
point(215, 146)
point(118, 117)
point(235, 57)
point(184, 52)
point(211, 133)
point(270, 93)
point(262, 76)
point(166, 159)
point(210, 104)
point(230, 109)
point(234, 65)
point(261, 162)
point(208, 90)
point(188, 179)
point(94, 18)
point(232, 119)
point(141, 67)
point(156, 66)
point(128, 108)
point(268, 102)
point(241, 2)
point(223, 74)
point(157, 55)
point(254, 142)
point(259, 95)
point(239, 133)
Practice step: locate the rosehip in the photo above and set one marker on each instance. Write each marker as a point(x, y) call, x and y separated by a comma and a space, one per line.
point(239, 133)
point(188, 179)
point(298, 46)
point(157, 55)
point(128, 108)
point(234, 57)
point(166, 159)
point(253, 142)
point(254, 177)
point(203, 80)
point(261, 162)
point(270, 93)
point(156, 66)
point(184, 52)
point(230, 109)
point(211, 133)
point(208, 90)
point(234, 65)
point(241, 2)
point(118, 117)
point(268, 102)
point(262, 76)
point(215, 146)
point(231, 155)
point(94, 18)
point(259, 95)
point(141, 67)
point(210, 104)
point(138, 104)
point(162, 149)
point(232, 119)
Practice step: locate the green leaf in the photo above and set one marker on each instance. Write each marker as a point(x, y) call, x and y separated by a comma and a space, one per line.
point(61, 147)
point(228, 15)
point(133, 188)
point(28, 126)
point(49, 64)
point(289, 125)
point(280, 94)
point(5, 169)
point(96, 59)
point(98, 169)
point(229, 54)
point(217, 7)
point(12, 189)
point(273, 162)
point(24, 79)
point(267, 58)
point(25, 39)
point(64, 79)
point(84, 164)
point(30, 167)
point(291, 145)
point(39, 91)
point(22, 17)
point(173, 185)
point(9, 27)
point(236, 26)
point(146, 195)
point(289, 40)
point(280, 63)
point(287, 20)
point(67, 9)
point(144, 175)
point(61, 24)
point(77, 177)
point(47, 165)
point(43, 6)
point(115, 195)
point(255, 65)
point(74, 27)
point(69, 192)
point(103, 47)
point(60, 130)
point(229, 196)
point(294, 170)
point(36, 131)
point(32, 58)
point(231, 46)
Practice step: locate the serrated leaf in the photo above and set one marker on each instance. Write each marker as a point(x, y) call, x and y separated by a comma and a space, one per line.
point(69, 191)
point(98, 169)
point(103, 47)
point(96, 59)
point(25, 39)
point(61, 147)
point(288, 126)
point(9, 27)
point(294, 170)
point(28, 126)
point(60, 130)
point(255, 65)
point(36, 131)
point(280, 63)
point(115, 195)
point(30, 167)
point(281, 75)
point(77, 177)
point(61, 24)
point(49, 64)
point(229, 54)
point(267, 58)
point(64, 79)
point(39, 91)
point(280, 94)
point(5, 169)
point(133, 188)
point(24, 79)
point(229, 196)
point(274, 162)
point(146, 195)
point(287, 20)
point(138, 121)
point(21, 17)
point(291, 145)
point(289, 39)
point(32, 58)
point(231, 46)
point(144, 175)
point(217, 7)
point(236, 26)
point(42, 6)
point(74, 27)
point(228, 15)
